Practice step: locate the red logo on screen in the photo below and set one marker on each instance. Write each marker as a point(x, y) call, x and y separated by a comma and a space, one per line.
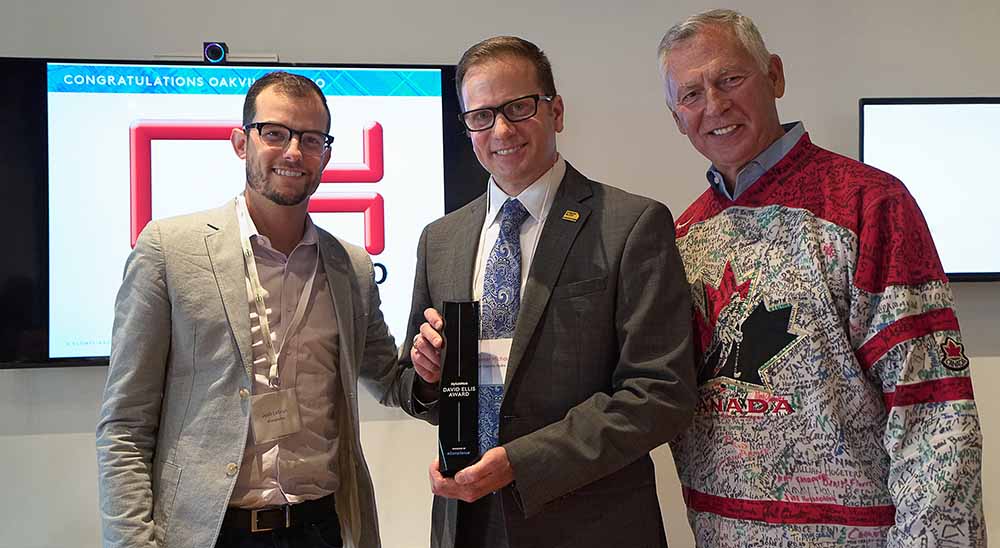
point(370, 170)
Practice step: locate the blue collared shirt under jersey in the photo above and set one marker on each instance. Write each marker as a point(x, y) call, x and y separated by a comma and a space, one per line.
point(759, 165)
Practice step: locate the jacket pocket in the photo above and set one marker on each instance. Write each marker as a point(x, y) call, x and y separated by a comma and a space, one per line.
point(580, 288)
point(164, 492)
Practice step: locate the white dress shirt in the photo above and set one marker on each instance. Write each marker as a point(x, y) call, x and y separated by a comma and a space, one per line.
point(537, 199)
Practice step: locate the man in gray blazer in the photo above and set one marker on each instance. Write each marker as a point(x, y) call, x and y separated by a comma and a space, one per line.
point(206, 437)
point(584, 285)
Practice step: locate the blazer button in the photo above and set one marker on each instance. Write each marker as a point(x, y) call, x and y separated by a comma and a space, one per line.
point(231, 469)
point(244, 393)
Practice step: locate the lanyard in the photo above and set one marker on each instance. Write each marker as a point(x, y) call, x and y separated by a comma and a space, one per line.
point(258, 291)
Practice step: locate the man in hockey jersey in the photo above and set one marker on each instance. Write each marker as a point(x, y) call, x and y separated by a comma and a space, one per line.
point(836, 404)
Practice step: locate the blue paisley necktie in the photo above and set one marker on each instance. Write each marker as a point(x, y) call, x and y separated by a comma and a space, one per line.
point(501, 301)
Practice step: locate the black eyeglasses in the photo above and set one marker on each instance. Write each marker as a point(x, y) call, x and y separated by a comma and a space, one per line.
point(277, 135)
point(515, 110)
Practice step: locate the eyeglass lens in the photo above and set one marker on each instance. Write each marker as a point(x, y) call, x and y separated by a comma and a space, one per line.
point(515, 111)
point(275, 135)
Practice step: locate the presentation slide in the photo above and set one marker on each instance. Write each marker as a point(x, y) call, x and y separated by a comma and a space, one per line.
point(938, 151)
point(132, 143)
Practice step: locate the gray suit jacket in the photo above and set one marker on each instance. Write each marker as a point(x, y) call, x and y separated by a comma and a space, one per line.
point(173, 422)
point(601, 368)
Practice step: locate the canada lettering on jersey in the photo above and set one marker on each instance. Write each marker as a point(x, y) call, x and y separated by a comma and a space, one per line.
point(745, 407)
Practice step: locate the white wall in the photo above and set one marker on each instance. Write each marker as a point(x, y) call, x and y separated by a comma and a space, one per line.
point(618, 131)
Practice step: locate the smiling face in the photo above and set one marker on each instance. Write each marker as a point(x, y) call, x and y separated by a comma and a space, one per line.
point(515, 153)
point(283, 176)
point(722, 99)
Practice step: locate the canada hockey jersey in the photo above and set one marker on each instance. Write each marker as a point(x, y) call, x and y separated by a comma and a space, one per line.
point(836, 406)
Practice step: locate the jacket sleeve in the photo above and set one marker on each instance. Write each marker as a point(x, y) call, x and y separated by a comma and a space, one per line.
point(652, 387)
point(129, 416)
point(911, 347)
point(387, 376)
point(421, 300)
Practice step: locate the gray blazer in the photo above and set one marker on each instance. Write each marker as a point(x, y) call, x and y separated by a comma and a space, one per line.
point(173, 423)
point(601, 368)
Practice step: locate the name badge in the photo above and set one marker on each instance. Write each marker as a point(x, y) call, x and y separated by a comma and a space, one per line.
point(493, 356)
point(274, 415)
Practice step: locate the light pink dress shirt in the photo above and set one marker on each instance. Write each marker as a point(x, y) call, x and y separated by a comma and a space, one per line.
point(301, 466)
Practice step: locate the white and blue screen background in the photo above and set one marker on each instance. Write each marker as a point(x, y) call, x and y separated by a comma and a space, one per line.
point(942, 153)
point(89, 192)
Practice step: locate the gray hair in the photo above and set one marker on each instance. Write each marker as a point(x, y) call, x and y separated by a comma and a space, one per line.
point(741, 25)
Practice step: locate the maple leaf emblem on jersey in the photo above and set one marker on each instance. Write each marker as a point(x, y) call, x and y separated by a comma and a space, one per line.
point(953, 355)
point(716, 300)
point(738, 338)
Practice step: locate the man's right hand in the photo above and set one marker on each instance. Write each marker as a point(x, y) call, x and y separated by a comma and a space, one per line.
point(427, 347)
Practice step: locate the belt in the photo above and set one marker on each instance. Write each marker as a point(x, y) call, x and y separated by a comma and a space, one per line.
point(281, 517)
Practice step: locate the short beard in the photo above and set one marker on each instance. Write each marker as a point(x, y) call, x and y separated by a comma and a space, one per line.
point(259, 182)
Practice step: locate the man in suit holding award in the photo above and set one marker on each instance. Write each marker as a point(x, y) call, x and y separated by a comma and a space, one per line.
point(584, 306)
point(230, 416)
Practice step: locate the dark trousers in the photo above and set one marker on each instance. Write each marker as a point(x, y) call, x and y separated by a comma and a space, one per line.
point(314, 524)
point(316, 535)
point(481, 524)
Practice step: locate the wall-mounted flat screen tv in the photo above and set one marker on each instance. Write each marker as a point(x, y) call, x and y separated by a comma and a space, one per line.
point(941, 148)
point(91, 151)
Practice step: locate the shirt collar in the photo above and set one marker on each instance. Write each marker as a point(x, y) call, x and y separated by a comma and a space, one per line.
point(309, 237)
point(537, 198)
point(757, 167)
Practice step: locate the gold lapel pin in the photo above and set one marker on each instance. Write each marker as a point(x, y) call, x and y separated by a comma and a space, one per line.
point(571, 216)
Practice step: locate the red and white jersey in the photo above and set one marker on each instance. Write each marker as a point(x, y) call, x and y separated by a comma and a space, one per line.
point(836, 404)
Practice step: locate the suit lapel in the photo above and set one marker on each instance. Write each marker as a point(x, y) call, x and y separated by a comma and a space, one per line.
point(462, 259)
point(225, 253)
point(554, 244)
point(336, 264)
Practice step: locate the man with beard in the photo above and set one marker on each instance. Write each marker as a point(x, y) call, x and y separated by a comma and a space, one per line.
point(230, 416)
point(836, 402)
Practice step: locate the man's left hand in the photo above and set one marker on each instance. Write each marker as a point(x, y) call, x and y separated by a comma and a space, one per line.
point(490, 474)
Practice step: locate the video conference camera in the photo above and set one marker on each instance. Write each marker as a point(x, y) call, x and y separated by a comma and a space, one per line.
point(215, 53)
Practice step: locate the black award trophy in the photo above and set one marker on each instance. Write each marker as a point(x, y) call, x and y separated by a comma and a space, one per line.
point(458, 403)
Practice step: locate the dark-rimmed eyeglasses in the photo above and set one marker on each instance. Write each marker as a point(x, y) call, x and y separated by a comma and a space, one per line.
point(276, 135)
point(515, 110)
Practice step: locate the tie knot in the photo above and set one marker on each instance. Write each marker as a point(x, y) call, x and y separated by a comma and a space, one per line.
point(512, 214)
